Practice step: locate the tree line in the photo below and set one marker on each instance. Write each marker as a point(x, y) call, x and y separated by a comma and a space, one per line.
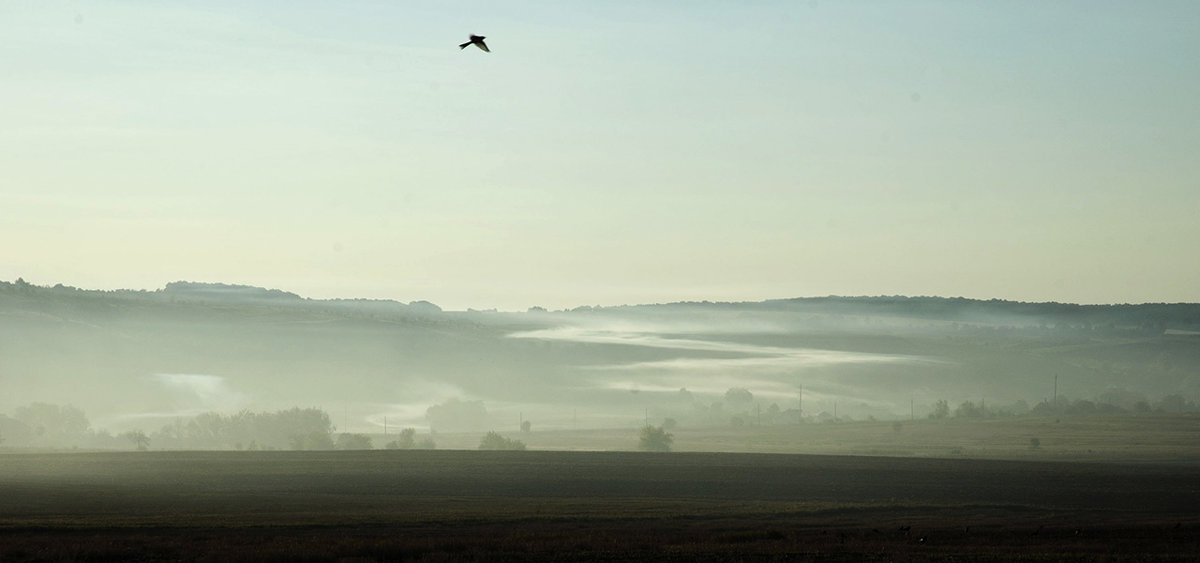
point(1112, 405)
point(66, 426)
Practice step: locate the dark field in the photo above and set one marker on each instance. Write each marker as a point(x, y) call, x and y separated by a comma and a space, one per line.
point(455, 505)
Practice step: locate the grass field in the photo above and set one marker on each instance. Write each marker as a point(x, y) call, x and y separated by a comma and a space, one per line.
point(1169, 438)
point(555, 505)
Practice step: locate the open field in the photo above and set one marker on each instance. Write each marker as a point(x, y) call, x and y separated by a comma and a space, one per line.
point(1168, 438)
point(437, 505)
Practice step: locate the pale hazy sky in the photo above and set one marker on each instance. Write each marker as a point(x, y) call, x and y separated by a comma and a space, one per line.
point(605, 152)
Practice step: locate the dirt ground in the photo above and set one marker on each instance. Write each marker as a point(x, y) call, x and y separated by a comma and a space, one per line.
point(566, 506)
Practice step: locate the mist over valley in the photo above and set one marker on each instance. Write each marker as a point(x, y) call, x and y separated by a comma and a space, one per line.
point(144, 360)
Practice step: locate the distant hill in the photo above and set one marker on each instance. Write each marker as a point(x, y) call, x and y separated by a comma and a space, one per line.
point(1147, 317)
point(185, 292)
point(142, 359)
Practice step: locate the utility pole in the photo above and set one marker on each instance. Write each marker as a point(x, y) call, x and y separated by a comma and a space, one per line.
point(800, 406)
point(912, 408)
point(1055, 403)
point(385, 426)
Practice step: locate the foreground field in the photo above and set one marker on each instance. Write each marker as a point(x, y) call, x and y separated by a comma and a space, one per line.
point(437, 505)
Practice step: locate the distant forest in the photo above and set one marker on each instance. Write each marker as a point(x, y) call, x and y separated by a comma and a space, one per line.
point(1147, 317)
point(50, 425)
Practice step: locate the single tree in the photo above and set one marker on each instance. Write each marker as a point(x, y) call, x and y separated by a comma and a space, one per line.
point(739, 396)
point(406, 441)
point(941, 409)
point(140, 440)
point(655, 439)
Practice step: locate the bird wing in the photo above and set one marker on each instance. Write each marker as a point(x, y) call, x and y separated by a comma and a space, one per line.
point(482, 45)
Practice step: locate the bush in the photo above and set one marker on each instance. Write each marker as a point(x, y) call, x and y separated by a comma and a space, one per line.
point(353, 442)
point(406, 441)
point(655, 439)
point(969, 409)
point(739, 396)
point(494, 441)
point(941, 409)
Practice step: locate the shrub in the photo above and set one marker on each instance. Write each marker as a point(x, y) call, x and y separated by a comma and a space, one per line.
point(941, 409)
point(739, 396)
point(406, 441)
point(494, 441)
point(655, 439)
point(353, 442)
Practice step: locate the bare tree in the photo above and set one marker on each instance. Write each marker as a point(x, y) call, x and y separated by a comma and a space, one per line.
point(140, 440)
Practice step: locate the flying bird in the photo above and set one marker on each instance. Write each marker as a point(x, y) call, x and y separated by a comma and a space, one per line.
point(476, 40)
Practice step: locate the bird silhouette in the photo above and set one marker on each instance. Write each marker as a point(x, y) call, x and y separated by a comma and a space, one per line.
point(476, 40)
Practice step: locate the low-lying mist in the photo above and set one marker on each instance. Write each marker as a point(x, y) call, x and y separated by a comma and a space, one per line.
point(143, 361)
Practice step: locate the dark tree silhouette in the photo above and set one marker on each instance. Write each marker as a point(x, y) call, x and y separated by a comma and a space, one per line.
point(406, 441)
point(739, 396)
point(494, 441)
point(941, 409)
point(140, 440)
point(655, 439)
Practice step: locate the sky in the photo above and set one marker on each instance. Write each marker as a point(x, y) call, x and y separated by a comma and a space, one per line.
point(604, 153)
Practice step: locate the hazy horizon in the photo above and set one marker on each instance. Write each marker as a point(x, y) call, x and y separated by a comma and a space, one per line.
point(568, 307)
point(150, 360)
point(605, 154)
